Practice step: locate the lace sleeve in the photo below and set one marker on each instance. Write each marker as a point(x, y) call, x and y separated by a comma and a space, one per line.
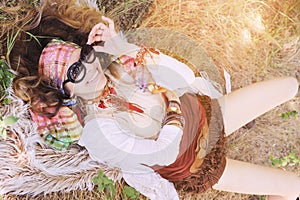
point(152, 185)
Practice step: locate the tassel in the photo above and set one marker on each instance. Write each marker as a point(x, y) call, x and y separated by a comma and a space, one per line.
point(133, 107)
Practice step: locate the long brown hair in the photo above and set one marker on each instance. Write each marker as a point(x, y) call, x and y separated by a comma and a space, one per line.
point(54, 19)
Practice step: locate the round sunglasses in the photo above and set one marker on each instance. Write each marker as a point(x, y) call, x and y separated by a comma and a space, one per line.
point(76, 72)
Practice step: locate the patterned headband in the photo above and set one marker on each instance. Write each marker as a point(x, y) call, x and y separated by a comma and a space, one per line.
point(64, 129)
point(53, 60)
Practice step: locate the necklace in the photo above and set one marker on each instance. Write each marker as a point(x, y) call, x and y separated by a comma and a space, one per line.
point(109, 98)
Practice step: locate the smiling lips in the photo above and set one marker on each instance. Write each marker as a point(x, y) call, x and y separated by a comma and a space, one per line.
point(93, 78)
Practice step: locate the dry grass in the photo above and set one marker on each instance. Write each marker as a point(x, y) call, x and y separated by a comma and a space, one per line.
point(256, 37)
point(253, 40)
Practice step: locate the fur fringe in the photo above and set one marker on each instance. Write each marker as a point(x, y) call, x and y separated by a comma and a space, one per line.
point(27, 166)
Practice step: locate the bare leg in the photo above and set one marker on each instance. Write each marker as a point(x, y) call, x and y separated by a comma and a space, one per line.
point(246, 104)
point(249, 178)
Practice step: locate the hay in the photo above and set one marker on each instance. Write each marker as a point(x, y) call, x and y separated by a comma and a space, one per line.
point(28, 167)
point(127, 14)
point(254, 40)
point(246, 35)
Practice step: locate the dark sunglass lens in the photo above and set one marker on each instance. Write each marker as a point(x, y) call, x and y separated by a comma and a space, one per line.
point(76, 72)
point(87, 53)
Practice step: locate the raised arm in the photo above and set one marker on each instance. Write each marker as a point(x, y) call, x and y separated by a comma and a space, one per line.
point(114, 43)
point(166, 71)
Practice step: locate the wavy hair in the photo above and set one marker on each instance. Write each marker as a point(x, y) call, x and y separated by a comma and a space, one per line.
point(62, 19)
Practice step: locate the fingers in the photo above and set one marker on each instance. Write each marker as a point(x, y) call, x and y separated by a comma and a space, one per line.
point(96, 33)
point(102, 32)
point(100, 26)
point(110, 22)
point(92, 35)
point(111, 26)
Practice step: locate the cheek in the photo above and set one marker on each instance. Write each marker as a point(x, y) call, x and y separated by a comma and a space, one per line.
point(70, 87)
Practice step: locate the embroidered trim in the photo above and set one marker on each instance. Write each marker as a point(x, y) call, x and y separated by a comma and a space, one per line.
point(139, 72)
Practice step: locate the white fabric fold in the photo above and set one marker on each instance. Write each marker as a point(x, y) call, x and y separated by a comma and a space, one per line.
point(109, 144)
point(152, 185)
point(169, 72)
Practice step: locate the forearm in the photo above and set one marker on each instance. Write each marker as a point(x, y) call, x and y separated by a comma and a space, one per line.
point(117, 46)
point(106, 141)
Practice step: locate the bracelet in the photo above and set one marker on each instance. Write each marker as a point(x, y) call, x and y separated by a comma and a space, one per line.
point(153, 88)
point(171, 117)
point(175, 123)
point(172, 102)
point(174, 106)
point(174, 117)
point(172, 109)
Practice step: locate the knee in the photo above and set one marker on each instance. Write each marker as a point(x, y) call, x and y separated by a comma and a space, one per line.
point(291, 85)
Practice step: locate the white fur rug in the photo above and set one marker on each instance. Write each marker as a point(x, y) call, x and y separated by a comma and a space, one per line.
point(27, 166)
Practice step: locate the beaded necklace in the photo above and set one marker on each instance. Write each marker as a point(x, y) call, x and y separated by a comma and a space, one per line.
point(109, 98)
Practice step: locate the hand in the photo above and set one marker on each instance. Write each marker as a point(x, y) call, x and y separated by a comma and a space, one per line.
point(101, 32)
point(172, 96)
